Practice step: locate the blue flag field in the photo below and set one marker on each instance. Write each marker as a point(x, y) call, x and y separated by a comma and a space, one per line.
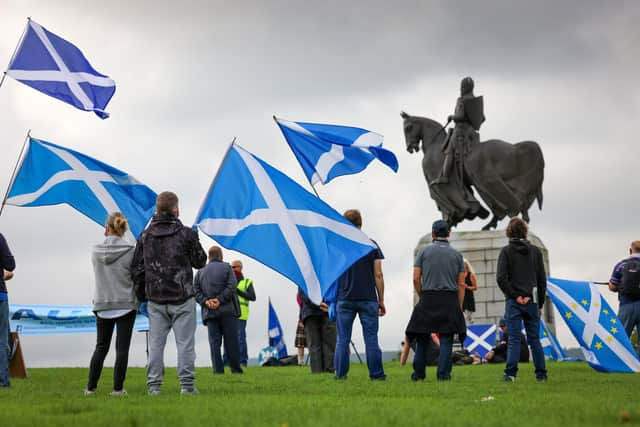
point(276, 337)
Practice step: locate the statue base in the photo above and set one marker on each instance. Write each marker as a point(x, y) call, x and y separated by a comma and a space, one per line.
point(481, 249)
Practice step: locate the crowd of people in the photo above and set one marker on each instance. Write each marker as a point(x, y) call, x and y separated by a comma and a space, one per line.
point(155, 277)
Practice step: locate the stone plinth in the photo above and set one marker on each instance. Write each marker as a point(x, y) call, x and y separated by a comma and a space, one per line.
point(481, 249)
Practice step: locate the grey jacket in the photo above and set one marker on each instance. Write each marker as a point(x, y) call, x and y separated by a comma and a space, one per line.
point(216, 280)
point(112, 269)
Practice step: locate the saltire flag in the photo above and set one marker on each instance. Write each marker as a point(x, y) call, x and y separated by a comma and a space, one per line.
point(50, 175)
point(594, 324)
point(550, 345)
point(276, 337)
point(327, 151)
point(52, 65)
point(480, 339)
point(255, 209)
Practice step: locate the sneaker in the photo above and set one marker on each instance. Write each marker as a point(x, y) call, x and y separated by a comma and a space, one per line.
point(153, 391)
point(380, 378)
point(415, 377)
point(541, 379)
point(189, 390)
point(88, 392)
point(508, 379)
point(122, 392)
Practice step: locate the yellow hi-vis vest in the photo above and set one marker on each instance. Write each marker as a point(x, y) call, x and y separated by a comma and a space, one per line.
point(243, 285)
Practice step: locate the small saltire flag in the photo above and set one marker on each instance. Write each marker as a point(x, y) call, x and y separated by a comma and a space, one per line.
point(550, 344)
point(50, 175)
point(595, 326)
point(328, 151)
point(480, 339)
point(257, 210)
point(53, 66)
point(276, 337)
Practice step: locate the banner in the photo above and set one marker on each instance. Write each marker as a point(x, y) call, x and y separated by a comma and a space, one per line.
point(35, 319)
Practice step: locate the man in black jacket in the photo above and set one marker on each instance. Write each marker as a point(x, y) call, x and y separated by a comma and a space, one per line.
point(162, 273)
point(7, 265)
point(520, 271)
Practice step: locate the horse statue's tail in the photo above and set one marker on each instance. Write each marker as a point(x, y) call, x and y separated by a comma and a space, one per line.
point(539, 197)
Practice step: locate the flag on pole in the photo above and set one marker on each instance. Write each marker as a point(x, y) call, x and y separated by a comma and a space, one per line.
point(480, 339)
point(50, 175)
point(276, 337)
point(594, 324)
point(328, 151)
point(257, 210)
point(53, 66)
point(550, 344)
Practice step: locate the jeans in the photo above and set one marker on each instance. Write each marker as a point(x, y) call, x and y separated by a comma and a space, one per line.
point(242, 338)
point(321, 338)
point(445, 361)
point(629, 315)
point(367, 311)
point(227, 328)
point(182, 319)
point(514, 315)
point(4, 343)
point(104, 327)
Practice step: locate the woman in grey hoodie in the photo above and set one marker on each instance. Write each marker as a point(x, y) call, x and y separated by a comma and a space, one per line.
point(114, 302)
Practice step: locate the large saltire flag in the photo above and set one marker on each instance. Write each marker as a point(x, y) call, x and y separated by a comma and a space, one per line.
point(257, 210)
point(594, 324)
point(276, 337)
point(480, 339)
point(550, 345)
point(328, 151)
point(53, 66)
point(50, 175)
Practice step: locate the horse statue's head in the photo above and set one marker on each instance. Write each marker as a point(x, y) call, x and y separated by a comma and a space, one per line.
point(418, 129)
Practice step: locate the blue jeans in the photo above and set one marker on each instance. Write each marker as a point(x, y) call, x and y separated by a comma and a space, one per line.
point(242, 338)
point(4, 343)
point(345, 316)
point(629, 315)
point(514, 315)
point(445, 361)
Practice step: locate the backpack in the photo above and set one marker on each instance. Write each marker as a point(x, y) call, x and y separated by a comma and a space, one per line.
point(630, 283)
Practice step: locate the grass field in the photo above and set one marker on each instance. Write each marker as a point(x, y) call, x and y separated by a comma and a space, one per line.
point(575, 395)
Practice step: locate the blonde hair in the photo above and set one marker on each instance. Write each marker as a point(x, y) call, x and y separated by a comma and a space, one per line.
point(117, 222)
point(468, 267)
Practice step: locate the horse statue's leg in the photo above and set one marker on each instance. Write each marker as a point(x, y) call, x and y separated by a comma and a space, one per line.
point(492, 224)
point(525, 215)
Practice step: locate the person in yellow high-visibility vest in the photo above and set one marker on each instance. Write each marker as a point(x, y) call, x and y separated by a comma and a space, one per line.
point(246, 293)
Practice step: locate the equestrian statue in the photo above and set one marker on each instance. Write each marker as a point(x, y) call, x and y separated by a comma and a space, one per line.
point(508, 177)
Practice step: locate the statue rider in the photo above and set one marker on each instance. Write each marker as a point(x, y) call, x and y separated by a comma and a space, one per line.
point(468, 116)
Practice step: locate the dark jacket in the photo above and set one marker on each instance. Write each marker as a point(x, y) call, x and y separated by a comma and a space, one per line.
point(308, 308)
point(7, 262)
point(163, 260)
point(520, 269)
point(216, 280)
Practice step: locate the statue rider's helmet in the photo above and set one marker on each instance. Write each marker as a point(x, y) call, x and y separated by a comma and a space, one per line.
point(466, 86)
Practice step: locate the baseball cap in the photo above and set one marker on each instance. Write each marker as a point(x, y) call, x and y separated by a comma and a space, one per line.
point(440, 228)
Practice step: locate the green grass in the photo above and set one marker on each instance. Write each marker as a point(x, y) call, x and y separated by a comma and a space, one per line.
point(575, 395)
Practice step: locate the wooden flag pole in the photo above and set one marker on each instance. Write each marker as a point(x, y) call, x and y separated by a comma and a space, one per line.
point(4, 74)
point(15, 169)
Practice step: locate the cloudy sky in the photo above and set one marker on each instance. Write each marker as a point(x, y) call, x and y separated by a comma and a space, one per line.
point(191, 76)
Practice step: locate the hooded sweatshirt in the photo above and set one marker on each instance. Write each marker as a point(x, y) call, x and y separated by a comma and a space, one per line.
point(111, 266)
point(520, 269)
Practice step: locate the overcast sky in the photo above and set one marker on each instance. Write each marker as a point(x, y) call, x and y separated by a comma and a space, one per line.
point(191, 76)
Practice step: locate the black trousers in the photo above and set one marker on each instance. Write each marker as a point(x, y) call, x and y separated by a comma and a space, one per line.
point(321, 339)
point(227, 328)
point(124, 325)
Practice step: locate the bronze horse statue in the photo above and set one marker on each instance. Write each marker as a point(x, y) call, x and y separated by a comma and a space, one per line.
point(508, 177)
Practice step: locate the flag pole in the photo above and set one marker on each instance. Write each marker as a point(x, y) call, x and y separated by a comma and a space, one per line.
point(4, 73)
point(15, 169)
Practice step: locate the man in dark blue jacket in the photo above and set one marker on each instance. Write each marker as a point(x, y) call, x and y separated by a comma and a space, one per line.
point(7, 265)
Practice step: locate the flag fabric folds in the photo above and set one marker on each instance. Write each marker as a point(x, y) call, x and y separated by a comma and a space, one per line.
point(595, 326)
point(328, 151)
point(50, 175)
point(54, 66)
point(550, 344)
point(253, 208)
point(480, 339)
point(276, 337)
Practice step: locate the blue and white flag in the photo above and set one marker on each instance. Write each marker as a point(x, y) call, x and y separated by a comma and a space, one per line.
point(51, 175)
point(54, 66)
point(329, 151)
point(550, 344)
point(595, 326)
point(276, 337)
point(480, 339)
point(257, 210)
